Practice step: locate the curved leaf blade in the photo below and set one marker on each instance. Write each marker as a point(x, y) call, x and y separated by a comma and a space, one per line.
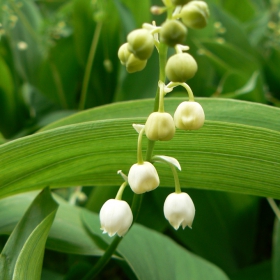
point(145, 250)
point(67, 233)
point(22, 256)
point(220, 156)
point(216, 109)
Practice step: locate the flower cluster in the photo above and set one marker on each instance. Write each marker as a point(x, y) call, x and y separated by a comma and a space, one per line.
point(116, 216)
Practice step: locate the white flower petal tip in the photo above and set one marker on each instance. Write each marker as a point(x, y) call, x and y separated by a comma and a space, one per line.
point(170, 160)
point(189, 115)
point(143, 177)
point(179, 210)
point(115, 217)
point(138, 127)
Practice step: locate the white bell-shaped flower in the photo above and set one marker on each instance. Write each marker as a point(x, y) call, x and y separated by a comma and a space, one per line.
point(143, 177)
point(179, 210)
point(115, 217)
point(189, 115)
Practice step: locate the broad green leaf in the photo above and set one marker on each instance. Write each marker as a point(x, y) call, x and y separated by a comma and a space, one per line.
point(224, 110)
point(67, 233)
point(224, 230)
point(228, 57)
point(236, 86)
point(23, 253)
point(150, 255)
point(221, 156)
point(143, 236)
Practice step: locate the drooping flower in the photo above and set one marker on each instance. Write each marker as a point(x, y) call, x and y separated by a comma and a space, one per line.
point(160, 126)
point(179, 210)
point(143, 177)
point(189, 115)
point(115, 217)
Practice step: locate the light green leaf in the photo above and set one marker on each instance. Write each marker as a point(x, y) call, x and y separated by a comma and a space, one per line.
point(216, 109)
point(23, 253)
point(67, 233)
point(221, 156)
point(146, 251)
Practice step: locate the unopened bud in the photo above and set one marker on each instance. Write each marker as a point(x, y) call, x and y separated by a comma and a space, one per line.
point(160, 126)
point(124, 53)
point(141, 43)
point(195, 14)
point(173, 32)
point(180, 67)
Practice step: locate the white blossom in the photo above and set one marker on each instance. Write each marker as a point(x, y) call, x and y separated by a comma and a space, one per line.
point(115, 217)
point(189, 115)
point(179, 210)
point(143, 177)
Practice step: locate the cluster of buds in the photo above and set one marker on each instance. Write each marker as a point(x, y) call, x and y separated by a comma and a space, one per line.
point(138, 49)
point(115, 215)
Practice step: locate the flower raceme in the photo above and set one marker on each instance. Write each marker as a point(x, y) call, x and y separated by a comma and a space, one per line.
point(143, 177)
point(179, 210)
point(115, 217)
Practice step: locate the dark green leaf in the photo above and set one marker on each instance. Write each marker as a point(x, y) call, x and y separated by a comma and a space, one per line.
point(152, 255)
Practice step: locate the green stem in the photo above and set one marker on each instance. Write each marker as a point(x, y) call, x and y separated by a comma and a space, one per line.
point(161, 100)
point(120, 191)
point(90, 59)
point(59, 86)
point(104, 259)
point(139, 147)
point(162, 62)
point(274, 207)
point(187, 87)
point(176, 179)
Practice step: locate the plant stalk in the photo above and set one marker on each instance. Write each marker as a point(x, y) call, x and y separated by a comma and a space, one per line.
point(90, 60)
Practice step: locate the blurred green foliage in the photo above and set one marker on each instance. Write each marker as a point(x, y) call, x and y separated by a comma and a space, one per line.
point(55, 53)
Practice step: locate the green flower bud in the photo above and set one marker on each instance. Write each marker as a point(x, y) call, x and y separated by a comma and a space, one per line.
point(124, 53)
point(141, 43)
point(173, 32)
point(160, 126)
point(180, 67)
point(195, 14)
point(180, 2)
point(189, 116)
point(134, 64)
